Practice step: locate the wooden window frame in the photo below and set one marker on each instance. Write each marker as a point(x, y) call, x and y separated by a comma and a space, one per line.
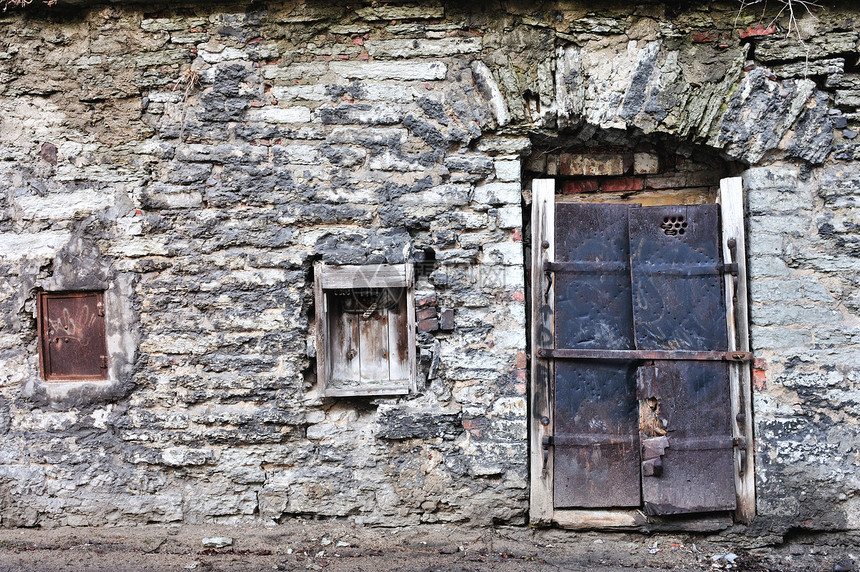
point(327, 278)
point(541, 509)
point(45, 367)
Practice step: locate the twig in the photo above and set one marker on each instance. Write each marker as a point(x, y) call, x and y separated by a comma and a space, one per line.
point(191, 80)
point(22, 3)
point(787, 5)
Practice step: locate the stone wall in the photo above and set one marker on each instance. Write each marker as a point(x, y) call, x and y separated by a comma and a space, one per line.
point(197, 160)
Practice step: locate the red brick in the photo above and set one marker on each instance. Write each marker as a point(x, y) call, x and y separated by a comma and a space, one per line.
point(475, 426)
point(582, 186)
point(759, 379)
point(518, 296)
point(622, 184)
point(521, 360)
point(430, 325)
point(425, 302)
point(426, 313)
point(754, 31)
point(704, 37)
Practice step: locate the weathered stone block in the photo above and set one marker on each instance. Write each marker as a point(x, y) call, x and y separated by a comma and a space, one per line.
point(279, 114)
point(62, 206)
point(224, 54)
point(417, 422)
point(507, 171)
point(594, 164)
point(773, 338)
point(646, 163)
point(422, 12)
point(510, 253)
point(361, 113)
point(816, 47)
point(497, 194)
point(406, 71)
point(417, 48)
point(783, 315)
point(510, 217)
point(505, 145)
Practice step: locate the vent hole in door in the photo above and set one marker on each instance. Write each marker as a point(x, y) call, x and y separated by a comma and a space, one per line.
point(674, 225)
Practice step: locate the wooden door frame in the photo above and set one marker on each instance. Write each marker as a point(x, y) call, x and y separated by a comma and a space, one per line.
point(541, 510)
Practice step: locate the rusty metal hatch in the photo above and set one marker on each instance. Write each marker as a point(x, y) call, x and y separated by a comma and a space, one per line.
point(72, 345)
point(641, 392)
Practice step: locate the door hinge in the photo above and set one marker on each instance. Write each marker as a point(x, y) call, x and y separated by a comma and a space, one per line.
point(729, 268)
point(741, 444)
point(547, 442)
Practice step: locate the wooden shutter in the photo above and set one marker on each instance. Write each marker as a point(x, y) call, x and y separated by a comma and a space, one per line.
point(365, 329)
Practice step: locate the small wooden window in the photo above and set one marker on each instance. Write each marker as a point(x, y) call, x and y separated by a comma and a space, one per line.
point(365, 329)
point(72, 345)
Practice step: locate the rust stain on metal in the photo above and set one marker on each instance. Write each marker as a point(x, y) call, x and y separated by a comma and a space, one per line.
point(72, 336)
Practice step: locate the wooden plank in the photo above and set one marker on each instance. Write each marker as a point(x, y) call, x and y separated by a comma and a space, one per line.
point(398, 341)
point(364, 276)
point(650, 198)
point(693, 523)
point(620, 520)
point(370, 390)
point(344, 345)
point(411, 341)
point(542, 238)
point(321, 330)
point(731, 202)
point(373, 347)
point(600, 519)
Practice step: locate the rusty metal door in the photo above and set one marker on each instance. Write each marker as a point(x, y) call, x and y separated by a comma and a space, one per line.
point(641, 407)
point(72, 336)
point(596, 459)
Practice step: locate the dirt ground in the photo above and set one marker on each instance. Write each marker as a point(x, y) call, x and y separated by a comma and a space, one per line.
point(336, 546)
